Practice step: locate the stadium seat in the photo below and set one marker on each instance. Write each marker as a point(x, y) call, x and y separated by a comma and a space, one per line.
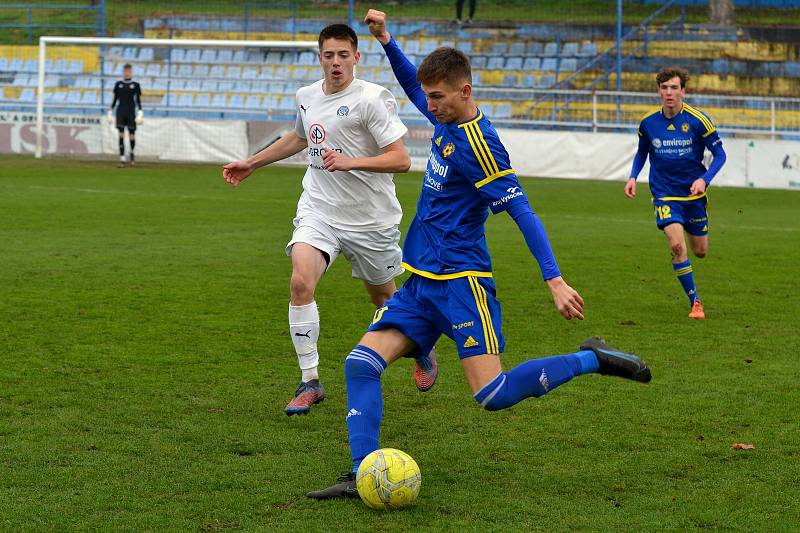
point(202, 100)
point(193, 85)
point(199, 71)
point(249, 73)
point(531, 63)
point(57, 97)
point(270, 102)
point(176, 85)
point(549, 63)
point(281, 74)
point(3, 64)
point(219, 101)
point(217, 71)
point(153, 69)
point(308, 59)
point(266, 73)
point(76, 67)
point(259, 87)
point(146, 54)
point(90, 98)
point(273, 58)
point(478, 62)
point(185, 100)
point(255, 57)
point(373, 60)
point(209, 55)
point(569, 50)
point(73, 97)
point(502, 111)
point(509, 80)
point(176, 55)
point(588, 49)
point(129, 53)
point(529, 80)
point(239, 56)
point(234, 72)
point(225, 56)
point(253, 102)
point(550, 49)
point(225, 86)
point(21, 80)
point(495, 62)
point(27, 95)
point(115, 51)
point(499, 48)
point(81, 83)
point(517, 48)
point(513, 63)
point(465, 46)
point(192, 56)
point(16, 65)
point(160, 84)
point(241, 87)
point(568, 64)
point(32, 65)
point(411, 46)
point(289, 58)
point(96, 83)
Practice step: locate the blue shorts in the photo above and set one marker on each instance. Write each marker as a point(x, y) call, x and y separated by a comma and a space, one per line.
point(691, 214)
point(465, 309)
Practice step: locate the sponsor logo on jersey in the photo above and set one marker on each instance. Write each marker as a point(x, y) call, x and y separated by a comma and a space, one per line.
point(438, 140)
point(317, 134)
point(470, 342)
point(685, 127)
point(657, 142)
point(464, 325)
point(435, 173)
point(513, 192)
point(343, 111)
point(671, 127)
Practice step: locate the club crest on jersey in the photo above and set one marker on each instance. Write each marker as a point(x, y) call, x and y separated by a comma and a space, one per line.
point(448, 149)
point(343, 111)
point(685, 127)
point(316, 134)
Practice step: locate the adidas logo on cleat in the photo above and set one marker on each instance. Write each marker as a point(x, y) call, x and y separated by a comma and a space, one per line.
point(470, 342)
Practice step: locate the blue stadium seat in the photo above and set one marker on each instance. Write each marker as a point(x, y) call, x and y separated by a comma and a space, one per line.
point(209, 55)
point(219, 101)
point(73, 97)
point(192, 56)
point(255, 57)
point(241, 87)
point(273, 58)
point(81, 83)
point(202, 100)
point(588, 49)
point(465, 46)
point(3, 64)
point(546, 81)
point(287, 103)
point(153, 69)
point(76, 67)
point(548, 63)
point(569, 50)
point(270, 102)
point(32, 65)
point(514, 63)
point(27, 95)
point(217, 71)
point(568, 64)
point(411, 46)
point(550, 49)
point(499, 48)
point(58, 97)
point(225, 55)
point(176, 55)
point(234, 72)
point(289, 58)
point(21, 80)
point(478, 62)
point(266, 73)
point(115, 51)
point(531, 63)
point(529, 80)
point(517, 48)
point(193, 85)
point(249, 73)
point(496, 62)
point(176, 85)
point(129, 53)
point(535, 48)
point(509, 80)
point(308, 59)
point(146, 54)
point(225, 86)
point(160, 84)
point(90, 98)
point(16, 65)
point(259, 87)
point(169, 100)
point(253, 102)
point(373, 60)
point(199, 71)
point(185, 100)
point(239, 56)
point(502, 111)
point(792, 68)
point(281, 74)
point(96, 83)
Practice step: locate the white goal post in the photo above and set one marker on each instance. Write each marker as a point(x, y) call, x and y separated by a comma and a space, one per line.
point(44, 41)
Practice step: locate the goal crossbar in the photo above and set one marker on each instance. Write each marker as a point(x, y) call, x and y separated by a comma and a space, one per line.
point(180, 43)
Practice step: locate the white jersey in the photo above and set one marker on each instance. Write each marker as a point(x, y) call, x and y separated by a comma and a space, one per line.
point(358, 122)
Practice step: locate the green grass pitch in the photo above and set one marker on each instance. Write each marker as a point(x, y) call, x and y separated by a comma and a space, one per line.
point(145, 364)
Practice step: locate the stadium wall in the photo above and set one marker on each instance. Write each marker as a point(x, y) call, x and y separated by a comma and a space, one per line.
point(760, 163)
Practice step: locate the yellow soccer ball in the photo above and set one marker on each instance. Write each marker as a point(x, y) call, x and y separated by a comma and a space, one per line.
point(388, 479)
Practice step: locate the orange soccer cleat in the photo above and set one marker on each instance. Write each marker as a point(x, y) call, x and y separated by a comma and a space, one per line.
point(697, 311)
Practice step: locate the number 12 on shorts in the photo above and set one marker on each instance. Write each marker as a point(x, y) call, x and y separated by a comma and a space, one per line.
point(663, 211)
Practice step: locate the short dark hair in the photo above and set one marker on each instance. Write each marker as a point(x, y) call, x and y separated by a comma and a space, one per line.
point(445, 64)
point(338, 31)
point(126, 65)
point(667, 73)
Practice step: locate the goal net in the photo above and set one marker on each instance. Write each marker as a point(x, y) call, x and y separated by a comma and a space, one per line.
point(202, 100)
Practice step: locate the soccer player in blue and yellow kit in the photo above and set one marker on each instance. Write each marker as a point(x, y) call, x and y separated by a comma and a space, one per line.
point(675, 138)
point(451, 290)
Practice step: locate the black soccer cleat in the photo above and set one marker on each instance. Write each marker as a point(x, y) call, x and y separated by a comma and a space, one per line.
point(615, 363)
point(345, 487)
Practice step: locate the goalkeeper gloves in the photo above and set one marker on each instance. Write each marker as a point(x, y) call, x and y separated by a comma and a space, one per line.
point(139, 117)
point(110, 117)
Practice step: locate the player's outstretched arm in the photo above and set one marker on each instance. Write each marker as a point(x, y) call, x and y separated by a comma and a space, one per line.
point(394, 158)
point(638, 164)
point(288, 145)
point(404, 70)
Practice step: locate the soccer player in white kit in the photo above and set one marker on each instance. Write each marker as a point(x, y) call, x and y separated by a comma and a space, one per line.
point(354, 139)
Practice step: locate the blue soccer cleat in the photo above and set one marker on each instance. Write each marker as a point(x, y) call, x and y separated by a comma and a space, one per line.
point(307, 394)
point(615, 363)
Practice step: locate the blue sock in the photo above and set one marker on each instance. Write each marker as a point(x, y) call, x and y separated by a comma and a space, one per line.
point(686, 277)
point(362, 374)
point(535, 377)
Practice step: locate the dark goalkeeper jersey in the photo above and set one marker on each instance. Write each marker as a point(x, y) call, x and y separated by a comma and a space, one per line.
point(129, 96)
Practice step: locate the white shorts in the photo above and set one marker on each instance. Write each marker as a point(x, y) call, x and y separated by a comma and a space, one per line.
point(374, 255)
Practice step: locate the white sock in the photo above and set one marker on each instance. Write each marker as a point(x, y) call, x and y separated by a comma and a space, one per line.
point(304, 329)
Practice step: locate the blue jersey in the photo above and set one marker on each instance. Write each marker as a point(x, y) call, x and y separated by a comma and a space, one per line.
point(675, 147)
point(468, 173)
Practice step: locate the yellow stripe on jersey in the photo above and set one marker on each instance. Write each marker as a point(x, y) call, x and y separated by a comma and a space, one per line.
point(494, 177)
point(650, 113)
point(702, 118)
point(454, 275)
point(493, 163)
point(473, 142)
point(492, 346)
point(681, 198)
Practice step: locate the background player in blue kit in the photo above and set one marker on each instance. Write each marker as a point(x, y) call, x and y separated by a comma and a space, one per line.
point(675, 138)
point(451, 290)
